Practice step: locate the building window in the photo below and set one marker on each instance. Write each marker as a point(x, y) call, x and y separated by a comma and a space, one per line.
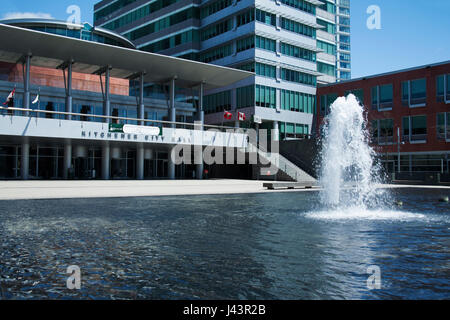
point(326, 69)
point(266, 44)
point(297, 52)
point(443, 126)
point(216, 54)
point(245, 17)
point(329, 7)
point(382, 97)
point(245, 97)
point(216, 30)
point(415, 129)
point(326, 101)
point(345, 75)
point(266, 70)
point(293, 130)
point(301, 5)
point(297, 27)
point(383, 131)
point(217, 102)
point(265, 96)
point(245, 44)
point(414, 93)
point(329, 27)
point(265, 17)
point(443, 88)
point(215, 7)
point(299, 77)
point(298, 101)
point(327, 47)
point(358, 93)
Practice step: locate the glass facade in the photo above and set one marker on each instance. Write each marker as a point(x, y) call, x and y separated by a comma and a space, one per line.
point(216, 54)
point(299, 77)
point(164, 23)
point(214, 7)
point(265, 96)
point(327, 69)
point(297, 52)
point(265, 17)
point(265, 43)
point(328, 26)
point(215, 30)
point(245, 44)
point(245, 96)
point(173, 41)
point(298, 101)
point(327, 47)
point(297, 27)
point(301, 5)
point(217, 102)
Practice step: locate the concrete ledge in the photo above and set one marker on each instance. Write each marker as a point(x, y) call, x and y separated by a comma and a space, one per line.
point(61, 189)
point(287, 185)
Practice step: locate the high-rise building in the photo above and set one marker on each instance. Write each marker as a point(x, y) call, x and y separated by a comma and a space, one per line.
point(290, 45)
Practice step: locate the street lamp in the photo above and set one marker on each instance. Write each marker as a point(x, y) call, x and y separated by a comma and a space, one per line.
point(398, 148)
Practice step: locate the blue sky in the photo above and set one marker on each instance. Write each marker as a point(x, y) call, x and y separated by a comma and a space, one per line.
point(413, 32)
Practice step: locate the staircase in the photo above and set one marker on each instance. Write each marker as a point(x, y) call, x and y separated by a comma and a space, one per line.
point(283, 164)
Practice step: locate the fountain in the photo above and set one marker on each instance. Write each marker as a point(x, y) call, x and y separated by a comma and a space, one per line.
point(346, 156)
point(349, 175)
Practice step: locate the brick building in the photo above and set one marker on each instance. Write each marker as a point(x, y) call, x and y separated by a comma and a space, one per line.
point(408, 114)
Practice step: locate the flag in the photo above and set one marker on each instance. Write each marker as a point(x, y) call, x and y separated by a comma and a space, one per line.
point(241, 116)
point(36, 100)
point(11, 96)
point(227, 115)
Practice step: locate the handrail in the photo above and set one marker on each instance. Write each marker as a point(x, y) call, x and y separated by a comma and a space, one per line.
point(116, 118)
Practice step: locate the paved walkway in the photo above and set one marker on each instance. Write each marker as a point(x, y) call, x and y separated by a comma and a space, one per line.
point(15, 190)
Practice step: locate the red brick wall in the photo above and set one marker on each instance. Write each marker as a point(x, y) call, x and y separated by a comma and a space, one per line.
point(398, 111)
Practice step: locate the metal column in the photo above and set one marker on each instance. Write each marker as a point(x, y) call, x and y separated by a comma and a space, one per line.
point(67, 159)
point(198, 157)
point(140, 162)
point(107, 103)
point(276, 136)
point(69, 89)
point(26, 82)
point(106, 161)
point(141, 99)
point(171, 165)
point(173, 116)
point(25, 160)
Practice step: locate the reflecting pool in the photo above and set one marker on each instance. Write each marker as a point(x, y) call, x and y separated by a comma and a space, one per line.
point(251, 246)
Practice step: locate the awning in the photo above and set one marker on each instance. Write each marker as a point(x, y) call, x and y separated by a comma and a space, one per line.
point(51, 51)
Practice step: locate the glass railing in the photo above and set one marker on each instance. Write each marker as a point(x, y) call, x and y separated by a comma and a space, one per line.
point(73, 116)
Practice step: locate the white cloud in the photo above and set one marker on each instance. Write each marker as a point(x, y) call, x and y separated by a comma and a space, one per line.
point(24, 15)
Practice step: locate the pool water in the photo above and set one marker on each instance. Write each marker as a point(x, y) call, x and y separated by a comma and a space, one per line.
point(251, 246)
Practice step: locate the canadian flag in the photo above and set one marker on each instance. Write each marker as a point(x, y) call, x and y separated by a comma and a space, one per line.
point(227, 115)
point(241, 116)
point(11, 95)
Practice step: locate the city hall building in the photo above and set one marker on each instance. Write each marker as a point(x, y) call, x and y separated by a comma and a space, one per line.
point(408, 113)
point(81, 102)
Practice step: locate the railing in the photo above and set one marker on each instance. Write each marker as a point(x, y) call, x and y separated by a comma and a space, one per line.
point(160, 123)
point(283, 164)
